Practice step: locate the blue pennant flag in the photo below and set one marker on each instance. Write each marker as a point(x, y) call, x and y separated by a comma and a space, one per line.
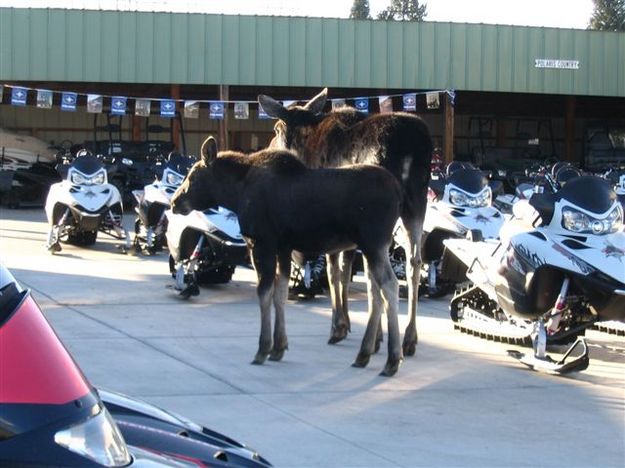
point(362, 105)
point(18, 96)
point(118, 105)
point(216, 110)
point(168, 108)
point(410, 102)
point(68, 101)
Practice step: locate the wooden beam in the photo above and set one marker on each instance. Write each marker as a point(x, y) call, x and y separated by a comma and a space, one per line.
point(448, 131)
point(569, 129)
point(222, 125)
point(136, 127)
point(175, 94)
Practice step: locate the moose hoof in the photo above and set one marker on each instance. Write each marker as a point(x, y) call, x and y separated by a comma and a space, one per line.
point(409, 346)
point(54, 248)
point(361, 360)
point(391, 367)
point(191, 290)
point(276, 354)
point(338, 334)
point(260, 358)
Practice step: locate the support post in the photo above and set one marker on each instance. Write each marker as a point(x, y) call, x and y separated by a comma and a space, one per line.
point(222, 126)
point(448, 131)
point(175, 134)
point(569, 129)
point(136, 128)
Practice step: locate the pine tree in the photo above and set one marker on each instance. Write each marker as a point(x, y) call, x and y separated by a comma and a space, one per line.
point(360, 10)
point(404, 10)
point(608, 15)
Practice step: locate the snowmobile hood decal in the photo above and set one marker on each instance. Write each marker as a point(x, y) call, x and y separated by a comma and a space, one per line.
point(611, 250)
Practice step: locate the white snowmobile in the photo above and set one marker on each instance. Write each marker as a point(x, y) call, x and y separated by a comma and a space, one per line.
point(83, 204)
point(558, 269)
point(205, 247)
point(153, 201)
point(459, 201)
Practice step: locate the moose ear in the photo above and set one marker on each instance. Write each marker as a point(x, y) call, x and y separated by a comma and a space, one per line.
point(316, 104)
point(272, 107)
point(209, 150)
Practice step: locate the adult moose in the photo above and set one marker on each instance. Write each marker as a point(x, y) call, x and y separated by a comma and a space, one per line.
point(283, 206)
point(399, 142)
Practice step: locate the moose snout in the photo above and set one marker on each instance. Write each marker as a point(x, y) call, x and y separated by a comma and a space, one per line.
point(179, 204)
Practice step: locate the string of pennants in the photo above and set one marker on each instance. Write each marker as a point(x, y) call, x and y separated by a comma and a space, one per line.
point(119, 105)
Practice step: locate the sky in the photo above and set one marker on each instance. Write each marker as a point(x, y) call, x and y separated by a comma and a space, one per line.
point(550, 13)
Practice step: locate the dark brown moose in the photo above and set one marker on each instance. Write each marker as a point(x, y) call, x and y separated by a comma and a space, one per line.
point(399, 142)
point(283, 206)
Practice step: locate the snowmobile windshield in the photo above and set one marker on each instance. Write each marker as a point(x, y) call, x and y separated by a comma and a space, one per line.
point(180, 164)
point(590, 193)
point(87, 164)
point(468, 180)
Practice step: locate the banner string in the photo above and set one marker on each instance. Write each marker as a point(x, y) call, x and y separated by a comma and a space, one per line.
point(450, 92)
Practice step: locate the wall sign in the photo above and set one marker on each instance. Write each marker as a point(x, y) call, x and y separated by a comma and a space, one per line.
point(557, 63)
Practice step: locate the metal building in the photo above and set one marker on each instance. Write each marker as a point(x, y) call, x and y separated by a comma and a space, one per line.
point(516, 88)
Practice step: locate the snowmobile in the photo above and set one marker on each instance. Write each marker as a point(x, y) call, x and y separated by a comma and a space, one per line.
point(558, 268)
point(205, 247)
point(83, 204)
point(53, 416)
point(154, 199)
point(459, 201)
point(537, 179)
point(308, 275)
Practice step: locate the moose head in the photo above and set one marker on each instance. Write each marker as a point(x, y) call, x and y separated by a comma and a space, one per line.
point(295, 122)
point(197, 190)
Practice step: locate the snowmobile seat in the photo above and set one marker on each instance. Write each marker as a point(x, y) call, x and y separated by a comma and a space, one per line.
point(544, 203)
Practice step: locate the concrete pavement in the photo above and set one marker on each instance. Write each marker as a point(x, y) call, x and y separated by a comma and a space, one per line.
point(459, 402)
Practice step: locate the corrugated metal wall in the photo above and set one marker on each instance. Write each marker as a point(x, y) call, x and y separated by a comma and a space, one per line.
point(104, 46)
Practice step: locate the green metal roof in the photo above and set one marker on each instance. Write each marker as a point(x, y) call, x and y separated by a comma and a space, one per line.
point(139, 47)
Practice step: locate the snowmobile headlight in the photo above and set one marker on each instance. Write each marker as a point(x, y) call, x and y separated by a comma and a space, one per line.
point(458, 198)
point(77, 178)
point(98, 439)
point(99, 178)
point(576, 221)
point(173, 178)
point(127, 162)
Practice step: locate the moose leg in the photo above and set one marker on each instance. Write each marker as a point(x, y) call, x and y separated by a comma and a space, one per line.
point(414, 230)
point(265, 265)
point(380, 275)
point(340, 320)
point(281, 292)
